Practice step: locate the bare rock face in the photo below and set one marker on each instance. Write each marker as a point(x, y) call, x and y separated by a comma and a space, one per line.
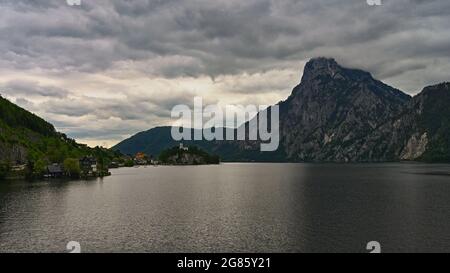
point(332, 111)
point(415, 147)
point(338, 114)
point(15, 154)
point(428, 116)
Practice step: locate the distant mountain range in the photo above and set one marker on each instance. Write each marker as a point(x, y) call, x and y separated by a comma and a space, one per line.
point(338, 114)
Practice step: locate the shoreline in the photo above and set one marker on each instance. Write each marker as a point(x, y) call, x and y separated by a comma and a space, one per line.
point(81, 178)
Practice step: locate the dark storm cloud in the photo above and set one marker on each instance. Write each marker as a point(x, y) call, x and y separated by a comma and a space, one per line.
point(220, 37)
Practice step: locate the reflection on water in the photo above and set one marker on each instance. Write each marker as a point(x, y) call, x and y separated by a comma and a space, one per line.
point(234, 208)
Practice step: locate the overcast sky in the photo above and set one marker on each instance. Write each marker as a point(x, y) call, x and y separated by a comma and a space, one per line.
point(107, 69)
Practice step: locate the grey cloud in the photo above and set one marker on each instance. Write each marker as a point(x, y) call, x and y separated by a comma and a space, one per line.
point(220, 37)
point(31, 88)
point(132, 108)
point(102, 129)
point(26, 104)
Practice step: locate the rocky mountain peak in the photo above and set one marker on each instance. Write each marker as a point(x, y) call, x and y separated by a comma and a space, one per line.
point(323, 68)
point(442, 87)
point(436, 95)
point(320, 66)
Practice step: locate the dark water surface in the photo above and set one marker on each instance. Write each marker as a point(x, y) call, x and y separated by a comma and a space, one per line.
point(234, 208)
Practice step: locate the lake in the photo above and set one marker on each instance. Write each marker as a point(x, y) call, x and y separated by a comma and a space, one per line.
point(234, 208)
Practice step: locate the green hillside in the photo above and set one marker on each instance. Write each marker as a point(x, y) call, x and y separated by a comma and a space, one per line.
point(15, 117)
point(26, 139)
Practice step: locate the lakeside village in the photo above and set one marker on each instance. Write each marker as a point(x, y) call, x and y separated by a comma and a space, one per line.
point(98, 166)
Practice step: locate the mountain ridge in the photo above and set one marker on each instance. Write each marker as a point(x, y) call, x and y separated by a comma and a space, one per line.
point(338, 114)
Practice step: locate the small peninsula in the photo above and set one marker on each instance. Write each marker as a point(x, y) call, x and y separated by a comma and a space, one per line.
point(181, 155)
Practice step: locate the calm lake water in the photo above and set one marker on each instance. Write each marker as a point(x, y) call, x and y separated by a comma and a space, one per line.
point(234, 208)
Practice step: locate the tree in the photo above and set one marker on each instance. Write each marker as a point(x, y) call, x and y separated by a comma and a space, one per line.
point(129, 163)
point(5, 167)
point(39, 167)
point(200, 157)
point(72, 167)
